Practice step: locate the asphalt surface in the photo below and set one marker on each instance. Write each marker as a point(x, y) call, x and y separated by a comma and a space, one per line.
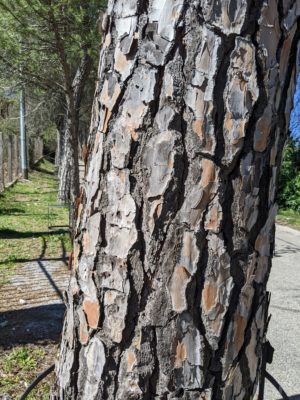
point(284, 328)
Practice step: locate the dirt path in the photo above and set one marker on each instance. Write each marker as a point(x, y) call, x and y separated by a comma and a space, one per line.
point(31, 303)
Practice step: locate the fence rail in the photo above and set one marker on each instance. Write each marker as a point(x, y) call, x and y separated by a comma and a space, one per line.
point(10, 168)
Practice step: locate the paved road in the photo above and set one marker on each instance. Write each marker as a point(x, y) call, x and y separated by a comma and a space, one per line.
point(284, 328)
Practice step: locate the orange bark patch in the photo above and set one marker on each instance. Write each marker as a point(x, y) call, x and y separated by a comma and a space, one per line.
point(121, 61)
point(240, 326)
point(83, 328)
point(158, 211)
point(170, 162)
point(76, 253)
point(228, 122)
point(86, 243)
point(208, 172)
point(216, 323)
point(137, 341)
point(187, 245)
point(179, 281)
point(97, 141)
point(212, 223)
point(209, 296)
point(83, 334)
point(239, 132)
point(131, 360)
point(273, 155)
point(181, 355)
point(92, 311)
point(260, 142)
point(198, 128)
point(122, 176)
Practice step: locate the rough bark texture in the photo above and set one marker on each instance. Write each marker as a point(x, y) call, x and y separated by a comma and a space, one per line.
point(175, 232)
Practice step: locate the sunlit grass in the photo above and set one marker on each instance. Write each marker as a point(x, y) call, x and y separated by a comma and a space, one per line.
point(24, 234)
point(19, 366)
point(289, 217)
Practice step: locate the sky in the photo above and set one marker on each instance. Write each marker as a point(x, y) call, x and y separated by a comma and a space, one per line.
point(295, 115)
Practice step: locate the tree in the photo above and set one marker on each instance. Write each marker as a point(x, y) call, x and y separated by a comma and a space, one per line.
point(51, 44)
point(175, 233)
point(289, 179)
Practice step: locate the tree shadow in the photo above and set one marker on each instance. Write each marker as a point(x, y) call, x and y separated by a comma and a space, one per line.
point(11, 211)
point(286, 250)
point(12, 234)
point(31, 325)
point(44, 171)
point(34, 324)
point(43, 188)
point(46, 273)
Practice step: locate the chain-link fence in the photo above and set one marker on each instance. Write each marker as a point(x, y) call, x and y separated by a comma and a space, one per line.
point(10, 169)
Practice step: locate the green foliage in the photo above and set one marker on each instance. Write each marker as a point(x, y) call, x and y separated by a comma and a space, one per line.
point(42, 44)
point(289, 180)
point(36, 35)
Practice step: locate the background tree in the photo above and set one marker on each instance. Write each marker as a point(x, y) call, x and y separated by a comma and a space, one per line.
point(51, 45)
point(175, 233)
point(289, 181)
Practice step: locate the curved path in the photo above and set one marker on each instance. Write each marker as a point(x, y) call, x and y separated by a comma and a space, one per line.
point(284, 328)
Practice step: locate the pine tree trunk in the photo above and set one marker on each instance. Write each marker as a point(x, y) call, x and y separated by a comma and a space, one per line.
point(69, 167)
point(175, 233)
point(1, 163)
point(60, 144)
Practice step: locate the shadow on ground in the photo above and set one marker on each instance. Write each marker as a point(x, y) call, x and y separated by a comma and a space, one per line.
point(43, 170)
point(11, 210)
point(12, 234)
point(295, 397)
point(31, 325)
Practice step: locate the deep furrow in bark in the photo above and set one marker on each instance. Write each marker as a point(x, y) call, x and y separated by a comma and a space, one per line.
point(174, 244)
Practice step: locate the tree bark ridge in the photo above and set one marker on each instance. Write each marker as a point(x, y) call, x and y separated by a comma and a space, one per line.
point(175, 233)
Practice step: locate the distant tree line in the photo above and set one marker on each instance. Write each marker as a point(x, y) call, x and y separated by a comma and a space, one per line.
point(289, 180)
point(10, 140)
point(49, 49)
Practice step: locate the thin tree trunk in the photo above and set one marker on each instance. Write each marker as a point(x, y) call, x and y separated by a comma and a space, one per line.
point(175, 233)
point(69, 170)
point(69, 167)
point(1, 164)
point(10, 158)
point(60, 145)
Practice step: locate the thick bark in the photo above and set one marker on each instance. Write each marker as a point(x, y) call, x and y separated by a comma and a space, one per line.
point(175, 233)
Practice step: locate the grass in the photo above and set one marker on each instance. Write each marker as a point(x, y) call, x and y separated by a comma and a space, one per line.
point(24, 237)
point(21, 365)
point(24, 234)
point(289, 217)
